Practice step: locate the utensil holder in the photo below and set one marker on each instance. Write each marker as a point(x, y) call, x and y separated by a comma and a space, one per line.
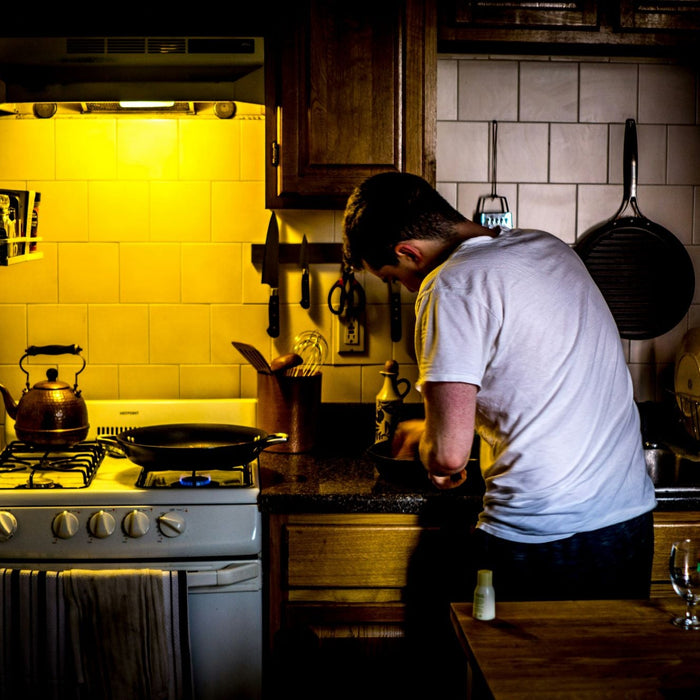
point(289, 404)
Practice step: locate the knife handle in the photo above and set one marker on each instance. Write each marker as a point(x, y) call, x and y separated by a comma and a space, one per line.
point(273, 315)
point(395, 311)
point(305, 297)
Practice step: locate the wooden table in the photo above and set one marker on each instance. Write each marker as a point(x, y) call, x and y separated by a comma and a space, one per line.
point(580, 649)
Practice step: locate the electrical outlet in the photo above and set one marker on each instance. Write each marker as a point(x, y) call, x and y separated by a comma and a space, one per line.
point(351, 335)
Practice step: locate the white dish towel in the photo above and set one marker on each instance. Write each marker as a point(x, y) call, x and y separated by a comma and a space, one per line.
point(104, 633)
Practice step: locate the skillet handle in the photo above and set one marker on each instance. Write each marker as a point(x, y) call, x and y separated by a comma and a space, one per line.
point(630, 163)
point(275, 439)
point(112, 446)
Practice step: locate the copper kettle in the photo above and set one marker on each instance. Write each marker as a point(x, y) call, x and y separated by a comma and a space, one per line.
point(51, 413)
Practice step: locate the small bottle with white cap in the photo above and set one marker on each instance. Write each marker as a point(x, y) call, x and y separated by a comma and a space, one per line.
point(484, 596)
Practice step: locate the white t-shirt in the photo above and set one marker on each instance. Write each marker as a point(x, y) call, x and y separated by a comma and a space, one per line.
point(519, 316)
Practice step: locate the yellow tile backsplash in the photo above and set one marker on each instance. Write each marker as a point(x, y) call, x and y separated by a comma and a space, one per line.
point(118, 210)
point(147, 226)
point(149, 273)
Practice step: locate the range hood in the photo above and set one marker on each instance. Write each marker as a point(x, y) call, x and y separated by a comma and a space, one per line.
point(97, 69)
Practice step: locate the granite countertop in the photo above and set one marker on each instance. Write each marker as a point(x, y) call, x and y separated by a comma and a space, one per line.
point(337, 476)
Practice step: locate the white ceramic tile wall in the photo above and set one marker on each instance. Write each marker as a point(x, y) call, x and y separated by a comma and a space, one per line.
point(560, 135)
point(147, 225)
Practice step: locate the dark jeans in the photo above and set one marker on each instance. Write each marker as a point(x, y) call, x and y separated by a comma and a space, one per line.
point(612, 562)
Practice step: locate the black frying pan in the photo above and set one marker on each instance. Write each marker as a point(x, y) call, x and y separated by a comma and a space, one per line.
point(192, 446)
point(641, 268)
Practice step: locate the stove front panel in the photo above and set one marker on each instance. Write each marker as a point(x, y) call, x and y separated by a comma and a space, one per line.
point(128, 532)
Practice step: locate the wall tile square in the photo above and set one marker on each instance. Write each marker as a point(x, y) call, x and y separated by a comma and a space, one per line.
point(238, 211)
point(28, 149)
point(666, 94)
point(63, 212)
point(118, 211)
point(579, 153)
point(180, 333)
point(462, 151)
point(608, 92)
point(100, 382)
point(210, 382)
point(684, 155)
point(342, 385)
point(32, 283)
point(147, 149)
point(522, 152)
point(548, 91)
point(58, 324)
point(550, 208)
point(118, 333)
point(447, 89)
point(253, 153)
point(487, 90)
point(88, 272)
point(596, 205)
point(149, 381)
point(149, 273)
point(13, 340)
point(243, 323)
point(208, 272)
point(180, 211)
point(219, 139)
point(86, 149)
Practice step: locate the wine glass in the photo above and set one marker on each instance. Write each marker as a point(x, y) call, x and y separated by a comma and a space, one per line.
point(684, 566)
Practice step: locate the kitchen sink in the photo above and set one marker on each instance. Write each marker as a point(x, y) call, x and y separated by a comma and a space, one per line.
point(672, 468)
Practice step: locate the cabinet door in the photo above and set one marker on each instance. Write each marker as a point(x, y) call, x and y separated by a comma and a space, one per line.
point(350, 92)
point(669, 527)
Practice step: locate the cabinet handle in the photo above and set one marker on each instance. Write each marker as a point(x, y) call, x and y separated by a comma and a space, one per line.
point(274, 154)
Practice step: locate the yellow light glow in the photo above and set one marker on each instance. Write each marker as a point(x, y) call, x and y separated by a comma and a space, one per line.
point(145, 104)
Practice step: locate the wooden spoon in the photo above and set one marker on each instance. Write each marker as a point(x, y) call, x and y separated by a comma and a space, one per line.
point(284, 362)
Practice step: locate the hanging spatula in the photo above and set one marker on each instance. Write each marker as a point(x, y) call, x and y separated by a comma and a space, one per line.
point(492, 217)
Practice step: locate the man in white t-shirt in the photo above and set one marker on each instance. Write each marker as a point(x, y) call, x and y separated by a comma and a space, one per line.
point(515, 342)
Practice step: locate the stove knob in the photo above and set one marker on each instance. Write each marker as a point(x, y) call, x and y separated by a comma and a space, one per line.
point(65, 525)
point(101, 524)
point(8, 525)
point(171, 524)
point(136, 524)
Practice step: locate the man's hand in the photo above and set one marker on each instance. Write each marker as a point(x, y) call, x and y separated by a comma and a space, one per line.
point(406, 440)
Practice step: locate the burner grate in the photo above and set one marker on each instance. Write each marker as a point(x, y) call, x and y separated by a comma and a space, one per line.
point(24, 466)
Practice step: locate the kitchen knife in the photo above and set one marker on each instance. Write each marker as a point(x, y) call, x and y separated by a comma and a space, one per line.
point(271, 276)
point(395, 310)
point(304, 265)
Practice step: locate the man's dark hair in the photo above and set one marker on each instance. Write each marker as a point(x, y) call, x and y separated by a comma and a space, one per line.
point(388, 208)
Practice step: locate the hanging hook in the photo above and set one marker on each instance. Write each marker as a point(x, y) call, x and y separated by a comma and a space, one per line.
point(494, 150)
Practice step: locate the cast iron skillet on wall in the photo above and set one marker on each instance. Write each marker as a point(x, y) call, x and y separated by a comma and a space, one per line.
point(642, 269)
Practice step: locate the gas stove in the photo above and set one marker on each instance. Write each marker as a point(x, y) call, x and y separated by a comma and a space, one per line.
point(56, 503)
point(86, 509)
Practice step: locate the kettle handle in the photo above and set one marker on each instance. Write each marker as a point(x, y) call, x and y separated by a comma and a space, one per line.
point(34, 350)
point(53, 350)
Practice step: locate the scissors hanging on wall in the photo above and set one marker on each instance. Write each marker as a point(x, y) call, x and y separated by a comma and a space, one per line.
point(346, 297)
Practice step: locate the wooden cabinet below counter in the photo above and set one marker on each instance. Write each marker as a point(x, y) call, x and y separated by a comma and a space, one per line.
point(669, 527)
point(353, 598)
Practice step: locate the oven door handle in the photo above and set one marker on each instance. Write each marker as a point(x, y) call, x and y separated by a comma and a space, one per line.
point(236, 573)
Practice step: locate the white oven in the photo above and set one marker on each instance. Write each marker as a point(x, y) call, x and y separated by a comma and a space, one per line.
point(211, 533)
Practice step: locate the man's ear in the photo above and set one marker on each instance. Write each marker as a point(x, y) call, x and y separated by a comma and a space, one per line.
point(409, 250)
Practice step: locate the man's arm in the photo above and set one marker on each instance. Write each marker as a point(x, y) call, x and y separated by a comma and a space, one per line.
point(446, 443)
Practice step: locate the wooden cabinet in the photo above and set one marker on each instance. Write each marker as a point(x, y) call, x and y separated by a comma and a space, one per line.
point(629, 27)
point(355, 599)
point(350, 91)
point(669, 527)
